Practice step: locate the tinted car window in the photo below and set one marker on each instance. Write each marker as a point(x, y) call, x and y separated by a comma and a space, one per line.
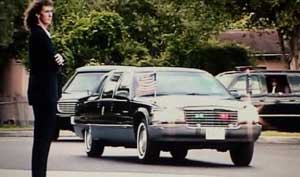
point(125, 81)
point(110, 85)
point(83, 82)
point(294, 83)
point(240, 85)
point(193, 83)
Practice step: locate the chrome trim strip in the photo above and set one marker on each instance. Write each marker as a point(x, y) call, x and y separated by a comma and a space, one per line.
point(112, 125)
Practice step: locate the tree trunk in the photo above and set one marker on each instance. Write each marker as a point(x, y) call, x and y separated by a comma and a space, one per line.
point(284, 58)
point(295, 49)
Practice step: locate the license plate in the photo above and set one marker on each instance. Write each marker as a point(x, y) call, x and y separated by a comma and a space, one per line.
point(215, 133)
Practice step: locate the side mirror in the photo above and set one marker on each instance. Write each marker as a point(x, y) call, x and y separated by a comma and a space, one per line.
point(93, 97)
point(235, 94)
point(122, 94)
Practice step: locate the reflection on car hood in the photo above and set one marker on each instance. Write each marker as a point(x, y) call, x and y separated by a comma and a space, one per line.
point(73, 96)
point(181, 101)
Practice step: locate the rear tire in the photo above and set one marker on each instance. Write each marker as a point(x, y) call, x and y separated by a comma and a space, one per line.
point(93, 148)
point(148, 151)
point(241, 155)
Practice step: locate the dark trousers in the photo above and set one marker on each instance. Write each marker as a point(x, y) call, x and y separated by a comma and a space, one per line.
point(44, 128)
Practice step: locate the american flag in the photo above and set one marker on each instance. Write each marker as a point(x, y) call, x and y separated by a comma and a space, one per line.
point(146, 84)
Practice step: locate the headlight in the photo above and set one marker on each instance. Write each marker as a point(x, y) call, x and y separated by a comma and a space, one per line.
point(248, 114)
point(166, 115)
point(58, 107)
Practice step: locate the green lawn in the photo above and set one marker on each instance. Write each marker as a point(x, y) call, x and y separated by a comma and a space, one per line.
point(278, 133)
point(14, 128)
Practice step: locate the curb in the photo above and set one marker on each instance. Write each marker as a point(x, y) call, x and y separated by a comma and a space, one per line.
point(29, 133)
point(278, 140)
point(16, 133)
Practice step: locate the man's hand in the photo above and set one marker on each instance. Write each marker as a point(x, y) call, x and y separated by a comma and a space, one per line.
point(59, 59)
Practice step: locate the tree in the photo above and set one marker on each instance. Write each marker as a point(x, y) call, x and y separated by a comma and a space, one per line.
point(12, 33)
point(283, 15)
point(153, 32)
point(98, 37)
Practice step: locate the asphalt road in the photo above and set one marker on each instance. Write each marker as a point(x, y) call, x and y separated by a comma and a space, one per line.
point(270, 160)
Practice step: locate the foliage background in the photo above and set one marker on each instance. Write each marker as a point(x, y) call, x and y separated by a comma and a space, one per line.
point(281, 15)
point(129, 32)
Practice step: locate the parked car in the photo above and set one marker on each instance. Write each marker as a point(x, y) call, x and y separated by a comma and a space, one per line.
point(276, 94)
point(170, 109)
point(84, 81)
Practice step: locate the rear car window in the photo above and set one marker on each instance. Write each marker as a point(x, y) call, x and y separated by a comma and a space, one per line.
point(277, 84)
point(240, 85)
point(294, 81)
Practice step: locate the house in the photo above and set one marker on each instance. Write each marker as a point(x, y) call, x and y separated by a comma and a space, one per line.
point(264, 45)
point(14, 108)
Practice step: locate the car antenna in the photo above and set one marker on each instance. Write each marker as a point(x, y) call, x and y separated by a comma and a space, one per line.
point(154, 75)
point(248, 85)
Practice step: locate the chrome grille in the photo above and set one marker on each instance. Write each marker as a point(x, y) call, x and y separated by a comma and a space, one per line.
point(67, 107)
point(209, 118)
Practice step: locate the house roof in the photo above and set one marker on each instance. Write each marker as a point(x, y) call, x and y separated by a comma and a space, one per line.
point(261, 42)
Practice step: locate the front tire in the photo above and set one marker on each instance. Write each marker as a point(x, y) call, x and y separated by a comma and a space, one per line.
point(93, 148)
point(241, 155)
point(147, 150)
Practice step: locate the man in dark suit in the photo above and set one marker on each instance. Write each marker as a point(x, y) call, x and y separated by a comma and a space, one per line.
point(279, 87)
point(43, 82)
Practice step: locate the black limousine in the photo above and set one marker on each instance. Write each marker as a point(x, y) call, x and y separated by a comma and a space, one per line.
point(275, 94)
point(170, 109)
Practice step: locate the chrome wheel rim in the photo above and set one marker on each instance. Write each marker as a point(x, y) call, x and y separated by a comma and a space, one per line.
point(88, 140)
point(142, 140)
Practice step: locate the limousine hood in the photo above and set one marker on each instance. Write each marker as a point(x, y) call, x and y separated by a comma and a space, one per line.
point(181, 101)
point(73, 96)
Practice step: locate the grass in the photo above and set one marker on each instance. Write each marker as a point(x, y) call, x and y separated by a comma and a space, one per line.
point(279, 133)
point(11, 127)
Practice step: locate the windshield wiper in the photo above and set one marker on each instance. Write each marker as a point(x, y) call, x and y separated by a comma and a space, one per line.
point(152, 94)
point(202, 94)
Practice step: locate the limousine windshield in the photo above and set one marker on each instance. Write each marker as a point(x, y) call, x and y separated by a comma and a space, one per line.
point(178, 83)
point(83, 82)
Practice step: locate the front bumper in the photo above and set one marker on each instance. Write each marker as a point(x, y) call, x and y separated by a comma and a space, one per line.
point(199, 135)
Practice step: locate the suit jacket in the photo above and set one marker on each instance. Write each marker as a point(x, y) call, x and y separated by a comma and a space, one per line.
point(43, 79)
